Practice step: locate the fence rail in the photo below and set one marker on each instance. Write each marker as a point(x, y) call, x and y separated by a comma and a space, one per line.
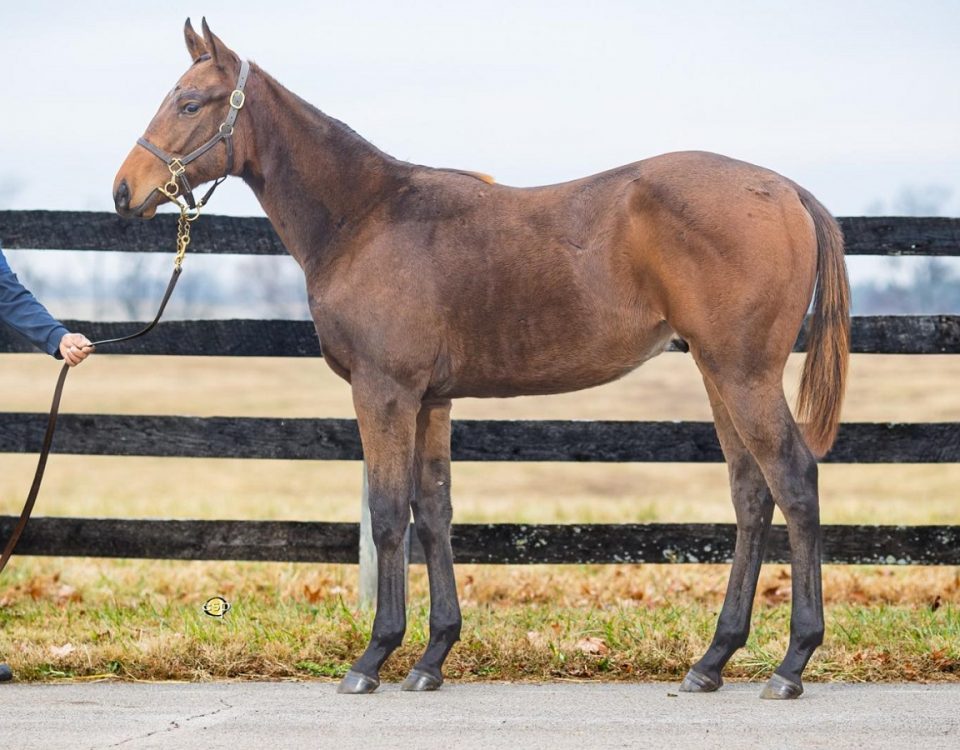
point(501, 543)
point(472, 440)
point(85, 230)
point(875, 334)
point(337, 439)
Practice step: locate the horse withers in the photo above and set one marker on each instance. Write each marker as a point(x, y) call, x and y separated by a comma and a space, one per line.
point(426, 285)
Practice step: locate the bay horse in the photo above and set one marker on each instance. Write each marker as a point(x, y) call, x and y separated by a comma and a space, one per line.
point(427, 285)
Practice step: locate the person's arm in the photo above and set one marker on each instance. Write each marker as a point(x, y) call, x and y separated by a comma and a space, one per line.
point(20, 310)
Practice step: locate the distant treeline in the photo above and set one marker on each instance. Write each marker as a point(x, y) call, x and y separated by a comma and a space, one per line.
point(933, 287)
point(268, 287)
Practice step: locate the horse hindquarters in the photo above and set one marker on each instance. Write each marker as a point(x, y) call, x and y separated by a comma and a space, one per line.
point(741, 343)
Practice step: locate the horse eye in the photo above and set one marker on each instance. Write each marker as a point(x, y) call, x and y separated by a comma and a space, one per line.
point(190, 108)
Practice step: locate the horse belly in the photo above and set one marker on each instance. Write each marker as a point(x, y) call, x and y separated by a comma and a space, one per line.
point(522, 367)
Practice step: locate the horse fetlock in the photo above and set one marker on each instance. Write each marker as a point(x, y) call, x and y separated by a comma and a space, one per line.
point(728, 640)
point(807, 639)
point(387, 640)
point(448, 626)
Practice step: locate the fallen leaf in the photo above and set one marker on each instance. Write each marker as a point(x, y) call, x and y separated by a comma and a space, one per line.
point(776, 594)
point(67, 593)
point(592, 645)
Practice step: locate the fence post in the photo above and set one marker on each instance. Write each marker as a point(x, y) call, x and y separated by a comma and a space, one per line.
point(368, 552)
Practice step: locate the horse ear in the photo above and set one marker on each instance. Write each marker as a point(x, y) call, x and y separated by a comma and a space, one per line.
point(195, 44)
point(222, 55)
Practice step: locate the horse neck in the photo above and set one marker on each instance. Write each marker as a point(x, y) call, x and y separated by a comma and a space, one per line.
point(311, 173)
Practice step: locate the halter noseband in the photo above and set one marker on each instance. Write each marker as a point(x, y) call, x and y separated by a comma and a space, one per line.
point(178, 165)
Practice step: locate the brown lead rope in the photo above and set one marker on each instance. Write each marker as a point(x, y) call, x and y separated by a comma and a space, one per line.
point(52, 423)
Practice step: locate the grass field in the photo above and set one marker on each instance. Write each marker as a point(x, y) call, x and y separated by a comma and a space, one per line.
point(142, 619)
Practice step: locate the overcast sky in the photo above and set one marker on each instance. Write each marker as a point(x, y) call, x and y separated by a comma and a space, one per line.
point(854, 100)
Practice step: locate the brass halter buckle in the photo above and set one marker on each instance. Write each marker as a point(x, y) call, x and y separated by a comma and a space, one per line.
point(172, 188)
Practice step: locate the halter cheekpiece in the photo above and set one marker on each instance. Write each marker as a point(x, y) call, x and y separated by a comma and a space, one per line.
point(178, 184)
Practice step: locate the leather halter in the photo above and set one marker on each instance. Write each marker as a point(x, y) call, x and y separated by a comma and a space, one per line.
point(178, 184)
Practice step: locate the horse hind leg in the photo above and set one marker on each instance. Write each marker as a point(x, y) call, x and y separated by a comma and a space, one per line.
point(432, 514)
point(758, 411)
point(753, 504)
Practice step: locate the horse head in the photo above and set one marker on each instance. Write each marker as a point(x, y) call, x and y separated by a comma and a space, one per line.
point(194, 137)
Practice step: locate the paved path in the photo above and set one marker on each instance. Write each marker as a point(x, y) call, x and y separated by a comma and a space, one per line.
point(271, 716)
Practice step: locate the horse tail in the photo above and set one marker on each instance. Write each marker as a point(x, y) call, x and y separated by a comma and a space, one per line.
point(824, 374)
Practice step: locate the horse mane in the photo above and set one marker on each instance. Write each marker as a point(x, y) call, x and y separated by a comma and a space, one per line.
point(476, 175)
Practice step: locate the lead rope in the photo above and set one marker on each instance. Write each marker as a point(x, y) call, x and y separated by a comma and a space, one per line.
point(183, 240)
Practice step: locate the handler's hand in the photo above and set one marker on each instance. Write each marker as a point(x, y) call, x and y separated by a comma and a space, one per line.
point(75, 347)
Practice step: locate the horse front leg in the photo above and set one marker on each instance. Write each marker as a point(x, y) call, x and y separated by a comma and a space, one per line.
point(432, 514)
point(387, 417)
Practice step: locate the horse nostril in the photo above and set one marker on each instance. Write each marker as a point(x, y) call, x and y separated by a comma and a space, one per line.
point(122, 197)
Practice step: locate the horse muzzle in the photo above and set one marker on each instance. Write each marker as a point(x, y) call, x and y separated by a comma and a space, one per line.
point(121, 201)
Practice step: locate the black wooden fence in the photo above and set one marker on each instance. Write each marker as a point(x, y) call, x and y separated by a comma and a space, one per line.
point(337, 439)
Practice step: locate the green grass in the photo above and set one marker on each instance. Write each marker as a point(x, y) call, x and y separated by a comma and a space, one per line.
point(288, 621)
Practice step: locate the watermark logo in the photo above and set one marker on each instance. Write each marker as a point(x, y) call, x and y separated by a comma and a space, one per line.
point(216, 606)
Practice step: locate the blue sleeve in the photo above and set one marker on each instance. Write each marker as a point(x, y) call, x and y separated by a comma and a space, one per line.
point(23, 313)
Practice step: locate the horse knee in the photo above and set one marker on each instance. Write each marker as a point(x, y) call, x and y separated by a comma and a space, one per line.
point(431, 535)
point(433, 515)
point(388, 529)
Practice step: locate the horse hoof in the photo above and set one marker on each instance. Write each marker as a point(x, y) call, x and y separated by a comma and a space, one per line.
point(780, 689)
point(695, 682)
point(6, 674)
point(419, 682)
point(356, 683)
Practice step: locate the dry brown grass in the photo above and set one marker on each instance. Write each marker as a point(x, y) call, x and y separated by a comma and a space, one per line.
point(142, 620)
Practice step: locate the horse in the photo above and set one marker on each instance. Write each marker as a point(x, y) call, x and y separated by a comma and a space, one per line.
point(427, 284)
